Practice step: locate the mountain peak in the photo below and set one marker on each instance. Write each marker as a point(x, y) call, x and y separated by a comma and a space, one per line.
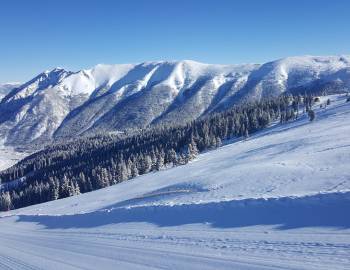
point(56, 70)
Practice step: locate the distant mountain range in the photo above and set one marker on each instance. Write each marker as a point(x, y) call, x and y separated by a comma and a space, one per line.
point(7, 87)
point(61, 104)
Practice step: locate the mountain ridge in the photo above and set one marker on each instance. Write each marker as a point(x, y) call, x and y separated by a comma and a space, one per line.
point(61, 104)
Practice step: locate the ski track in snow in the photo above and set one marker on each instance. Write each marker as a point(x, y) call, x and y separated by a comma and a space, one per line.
point(279, 200)
point(191, 247)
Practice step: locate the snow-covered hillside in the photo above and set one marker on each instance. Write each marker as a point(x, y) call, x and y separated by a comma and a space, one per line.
point(64, 104)
point(9, 156)
point(278, 200)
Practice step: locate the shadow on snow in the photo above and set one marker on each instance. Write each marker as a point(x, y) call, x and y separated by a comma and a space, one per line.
point(321, 210)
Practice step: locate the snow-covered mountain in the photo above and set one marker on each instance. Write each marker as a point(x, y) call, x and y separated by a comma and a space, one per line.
point(5, 88)
point(61, 104)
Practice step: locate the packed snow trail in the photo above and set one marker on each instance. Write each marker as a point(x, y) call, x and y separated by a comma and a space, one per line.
point(279, 200)
point(143, 246)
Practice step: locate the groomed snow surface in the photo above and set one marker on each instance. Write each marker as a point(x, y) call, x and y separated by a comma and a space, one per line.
point(278, 200)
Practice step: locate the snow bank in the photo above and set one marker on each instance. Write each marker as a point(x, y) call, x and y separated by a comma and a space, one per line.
point(320, 210)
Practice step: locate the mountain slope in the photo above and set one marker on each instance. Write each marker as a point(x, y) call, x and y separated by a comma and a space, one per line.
point(143, 95)
point(61, 104)
point(277, 200)
point(6, 88)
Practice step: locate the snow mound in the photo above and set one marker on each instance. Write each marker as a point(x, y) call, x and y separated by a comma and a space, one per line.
point(320, 210)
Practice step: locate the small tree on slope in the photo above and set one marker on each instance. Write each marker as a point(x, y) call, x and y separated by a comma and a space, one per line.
point(311, 115)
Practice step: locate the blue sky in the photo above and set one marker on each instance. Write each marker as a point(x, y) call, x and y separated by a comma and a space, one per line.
point(36, 35)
